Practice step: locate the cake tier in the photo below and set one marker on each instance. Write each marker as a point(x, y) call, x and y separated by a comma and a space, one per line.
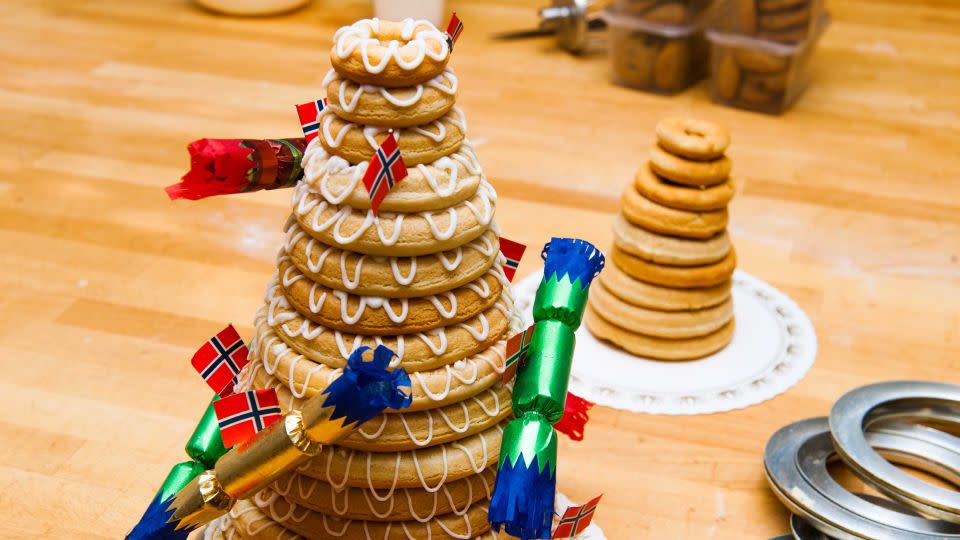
point(430, 389)
point(421, 351)
point(393, 107)
point(393, 234)
point(376, 315)
point(400, 504)
point(445, 182)
point(391, 277)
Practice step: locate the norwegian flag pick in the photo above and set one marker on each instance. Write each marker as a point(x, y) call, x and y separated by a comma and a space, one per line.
point(385, 170)
point(309, 114)
point(576, 519)
point(454, 27)
point(220, 360)
point(513, 251)
point(517, 347)
point(243, 415)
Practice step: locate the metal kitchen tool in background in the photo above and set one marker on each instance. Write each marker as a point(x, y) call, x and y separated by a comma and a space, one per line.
point(570, 21)
point(870, 429)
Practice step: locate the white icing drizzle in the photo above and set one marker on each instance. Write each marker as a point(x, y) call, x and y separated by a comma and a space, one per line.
point(365, 33)
point(450, 260)
point(319, 165)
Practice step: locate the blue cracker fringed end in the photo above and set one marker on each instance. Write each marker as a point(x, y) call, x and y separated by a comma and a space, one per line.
point(572, 257)
point(366, 388)
point(155, 525)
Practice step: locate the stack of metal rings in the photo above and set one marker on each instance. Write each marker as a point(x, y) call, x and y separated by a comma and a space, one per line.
point(872, 429)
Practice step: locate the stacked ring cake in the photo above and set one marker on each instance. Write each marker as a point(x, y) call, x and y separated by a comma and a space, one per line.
point(422, 276)
point(667, 294)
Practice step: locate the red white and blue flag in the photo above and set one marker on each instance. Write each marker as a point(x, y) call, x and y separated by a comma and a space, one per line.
point(243, 415)
point(454, 27)
point(220, 360)
point(513, 251)
point(517, 347)
point(576, 519)
point(309, 114)
point(385, 170)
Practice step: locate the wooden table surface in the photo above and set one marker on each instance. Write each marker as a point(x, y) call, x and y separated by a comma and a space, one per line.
point(850, 204)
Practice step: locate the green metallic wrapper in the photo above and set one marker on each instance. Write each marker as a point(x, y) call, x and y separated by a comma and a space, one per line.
point(527, 436)
point(206, 444)
point(541, 385)
point(561, 300)
point(180, 475)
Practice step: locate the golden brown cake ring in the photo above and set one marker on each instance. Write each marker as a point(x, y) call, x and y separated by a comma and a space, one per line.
point(375, 315)
point(658, 348)
point(648, 295)
point(391, 107)
point(406, 503)
point(411, 430)
point(695, 139)
point(422, 351)
point(683, 277)
point(663, 324)
point(452, 383)
point(391, 234)
point(391, 277)
point(314, 525)
point(446, 182)
point(669, 250)
point(658, 218)
point(695, 198)
point(421, 144)
point(427, 468)
point(387, 53)
point(689, 172)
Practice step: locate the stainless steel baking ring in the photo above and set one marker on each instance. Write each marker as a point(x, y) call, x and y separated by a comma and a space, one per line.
point(862, 407)
point(796, 460)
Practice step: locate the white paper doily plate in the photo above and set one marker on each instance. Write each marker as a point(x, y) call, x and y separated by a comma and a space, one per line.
point(773, 347)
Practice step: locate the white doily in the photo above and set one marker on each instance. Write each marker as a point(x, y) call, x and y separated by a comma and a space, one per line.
point(773, 347)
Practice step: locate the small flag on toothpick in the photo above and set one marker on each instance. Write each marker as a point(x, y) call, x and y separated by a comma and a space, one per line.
point(309, 114)
point(576, 519)
point(220, 360)
point(454, 27)
point(516, 351)
point(513, 251)
point(243, 415)
point(385, 170)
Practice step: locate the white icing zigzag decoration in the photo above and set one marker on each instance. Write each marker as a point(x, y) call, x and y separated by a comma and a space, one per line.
point(446, 82)
point(361, 34)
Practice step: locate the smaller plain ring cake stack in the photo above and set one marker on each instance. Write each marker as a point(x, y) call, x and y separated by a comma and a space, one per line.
point(667, 295)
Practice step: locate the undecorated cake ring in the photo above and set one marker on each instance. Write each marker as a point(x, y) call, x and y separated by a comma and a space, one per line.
point(658, 218)
point(430, 389)
point(689, 172)
point(648, 295)
point(391, 277)
point(426, 468)
point(683, 277)
point(410, 430)
point(669, 249)
point(664, 324)
point(376, 315)
point(391, 234)
point(422, 351)
point(387, 53)
point(391, 107)
point(471, 523)
point(695, 139)
point(446, 182)
point(425, 143)
point(696, 198)
point(658, 348)
point(403, 504)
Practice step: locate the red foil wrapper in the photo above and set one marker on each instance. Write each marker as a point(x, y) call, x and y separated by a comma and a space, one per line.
point(226, 166)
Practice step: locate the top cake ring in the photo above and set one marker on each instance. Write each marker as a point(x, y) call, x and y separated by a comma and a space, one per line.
point(391, 54)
